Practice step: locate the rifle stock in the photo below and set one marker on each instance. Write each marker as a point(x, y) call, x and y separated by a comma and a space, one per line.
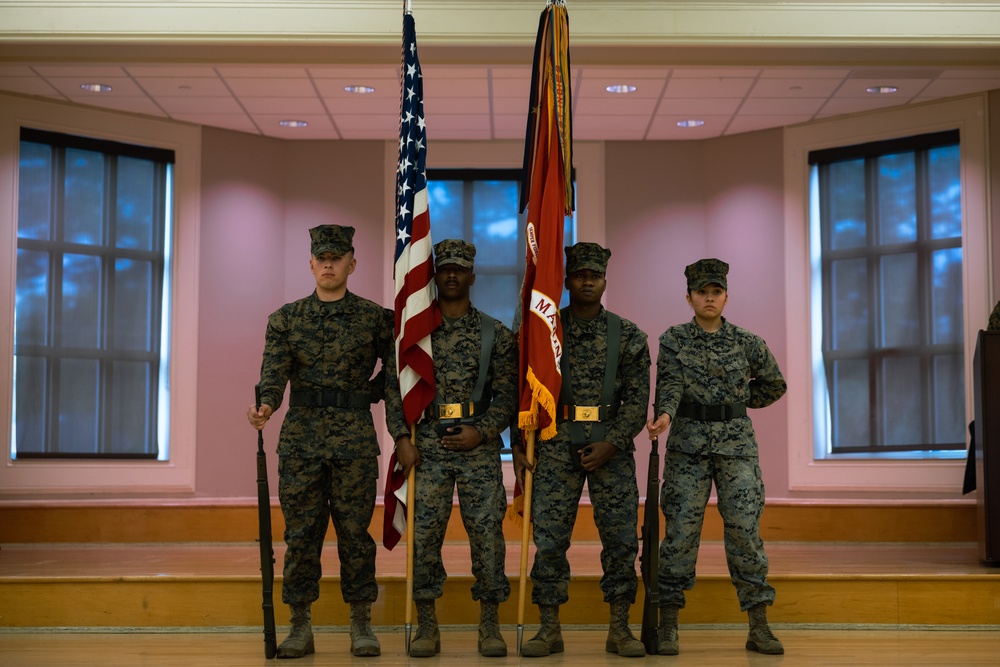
point(266, 545)
point(649, 560)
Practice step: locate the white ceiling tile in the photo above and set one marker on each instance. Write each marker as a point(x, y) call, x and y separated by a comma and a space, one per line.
point(954, 87)
point(434, 106)
point(287, 106)
point(644, 88)
point(172, 71)
point(838, 107)
point(141, 105)
point(385, 89)
point(263, 71)
point(708, 87)
point(795, 87)
point(183, 86)
point(857, 88)
point(793, 107)
point(743, 123)
point(665, 127)
point(236, 121)
point(27, 85)
point(217, 105)
point(70, 86)
point(354, 122)
point(617, 104)
point(454, 87)
point(698, 107)
point(270, 87)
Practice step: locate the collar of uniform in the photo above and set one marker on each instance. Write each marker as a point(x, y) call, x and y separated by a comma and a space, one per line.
point(581, 323)
point(726, 330)
point(459, 321)
point(344, 305)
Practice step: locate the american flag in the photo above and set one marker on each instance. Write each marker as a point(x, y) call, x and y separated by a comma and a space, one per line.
point(416, 307)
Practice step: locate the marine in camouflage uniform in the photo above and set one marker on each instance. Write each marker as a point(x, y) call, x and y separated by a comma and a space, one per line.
point(326, 346)
point(607, 464)
point(467, 456)
point(994, 323)
point(709, 372)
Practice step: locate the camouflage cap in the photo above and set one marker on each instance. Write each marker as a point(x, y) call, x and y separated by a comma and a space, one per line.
point(706, 271)
point(586, 256)
point(331, 238)
point(454, 251)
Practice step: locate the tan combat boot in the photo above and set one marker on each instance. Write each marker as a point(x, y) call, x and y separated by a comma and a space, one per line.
point(427, 642)
point(549, 638)
point(363, 640)
point(620, 637)
point(300, 640)
point(666, 633)
point(491, 643)
point(760, 638)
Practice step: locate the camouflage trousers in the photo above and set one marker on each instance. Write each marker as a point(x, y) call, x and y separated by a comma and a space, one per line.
point(482, 502)
point(312, 491)
point(687, 483)
point(556, 490)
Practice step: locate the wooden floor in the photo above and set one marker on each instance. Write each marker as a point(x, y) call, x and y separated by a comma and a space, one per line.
point(180, 586)
point(701, 647)
point(201, 585)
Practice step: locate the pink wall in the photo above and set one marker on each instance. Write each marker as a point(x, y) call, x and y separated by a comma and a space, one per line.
point(260, 198)
point(667, 205)
point(703, 199)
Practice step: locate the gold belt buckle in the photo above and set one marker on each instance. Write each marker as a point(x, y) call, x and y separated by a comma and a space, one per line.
point(586, 413)
point(449, 410)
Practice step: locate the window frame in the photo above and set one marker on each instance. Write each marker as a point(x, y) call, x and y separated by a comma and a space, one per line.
point(105, 353)
point(873, 252)
point(30, 477)
point(809, 470)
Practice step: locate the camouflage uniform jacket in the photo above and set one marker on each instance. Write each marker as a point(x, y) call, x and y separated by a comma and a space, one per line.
point(994, 323)
point(456, 346)
point(586, 343)
point(327, 345)
point(729, 366)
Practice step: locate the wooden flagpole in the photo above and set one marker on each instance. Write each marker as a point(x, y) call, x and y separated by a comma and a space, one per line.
point(411, 486)
point(529, 452)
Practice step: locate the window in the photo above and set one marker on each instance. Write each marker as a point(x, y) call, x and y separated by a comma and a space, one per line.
point(480, 206)
point(889, 226)
point(811, 466)
point(90, 341)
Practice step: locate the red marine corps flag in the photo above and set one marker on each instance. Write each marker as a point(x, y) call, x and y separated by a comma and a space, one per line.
point(416, 307)
point(547, 190)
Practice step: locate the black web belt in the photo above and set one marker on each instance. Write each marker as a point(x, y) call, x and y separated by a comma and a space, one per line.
point(327, 398)
point(711, 413)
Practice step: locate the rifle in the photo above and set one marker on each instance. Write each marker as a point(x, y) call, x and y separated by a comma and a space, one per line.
point(266, 546)
point(649, 560)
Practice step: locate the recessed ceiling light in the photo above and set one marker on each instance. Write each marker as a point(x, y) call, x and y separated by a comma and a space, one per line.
point(293, 123)
point(360, 90)
point(690, 123)
point(96, 87)
point(881, 90)
point(620, 88)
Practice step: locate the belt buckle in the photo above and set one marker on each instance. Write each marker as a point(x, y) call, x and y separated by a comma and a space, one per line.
point(586, 413)
point(449, 411)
